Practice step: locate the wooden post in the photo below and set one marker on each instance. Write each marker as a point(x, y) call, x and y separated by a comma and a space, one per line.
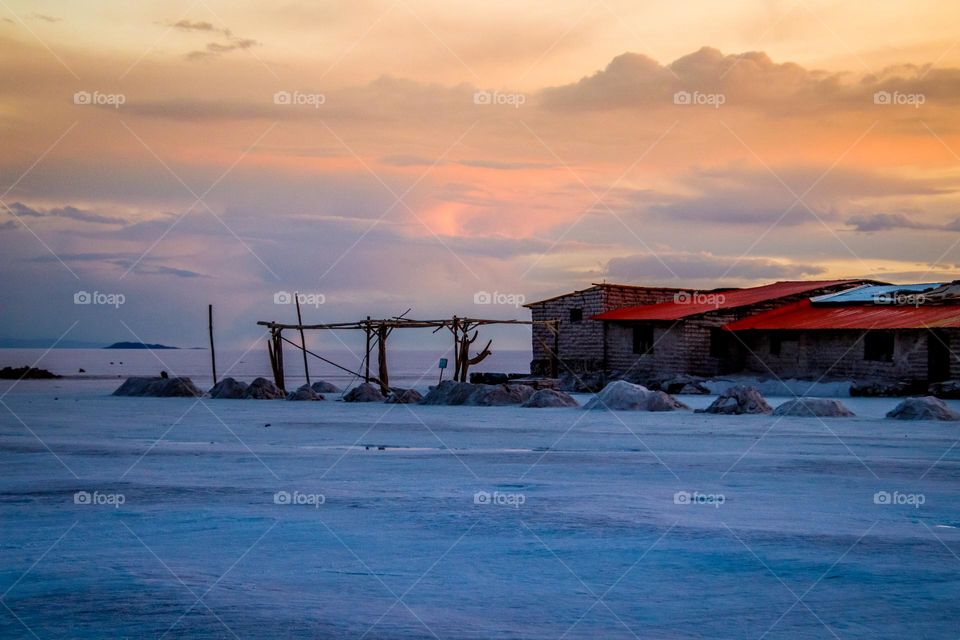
point(455, 329)
point(273, 358)
point(213, 354)
point(465, 343)
point(303, 340)
point(278, 356)
point(366, 375)
point(382, 374)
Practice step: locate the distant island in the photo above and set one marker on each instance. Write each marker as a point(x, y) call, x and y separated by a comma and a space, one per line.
point(26, 373)
point(138, 345)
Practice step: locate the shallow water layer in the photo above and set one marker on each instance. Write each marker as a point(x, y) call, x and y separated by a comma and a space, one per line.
point(139, 517)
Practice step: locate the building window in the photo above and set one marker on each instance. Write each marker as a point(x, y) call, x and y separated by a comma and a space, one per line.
point(576, 315)
point(878, 346)
point(776, 342)
point(718, 343)
point(642, 340)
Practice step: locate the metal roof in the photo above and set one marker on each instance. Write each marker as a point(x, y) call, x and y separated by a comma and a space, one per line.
point(691, 303)
point(804, 315)
point(873, 293)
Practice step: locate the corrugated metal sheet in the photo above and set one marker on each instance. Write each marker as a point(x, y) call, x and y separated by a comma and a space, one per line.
point(804, 315)
point(697, 302)
point(872, 293)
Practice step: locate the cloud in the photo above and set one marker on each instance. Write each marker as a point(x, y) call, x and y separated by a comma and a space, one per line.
point(187, 25)
point(69, 212)
point(45, 18)
point(145, 265)
point(231, 43)
point(694, 266)
point(872, 222)
point(502, 165)
point(189, 110)
point(218, 48)
point(404, 160)
point(741, 196)
point(746, 80)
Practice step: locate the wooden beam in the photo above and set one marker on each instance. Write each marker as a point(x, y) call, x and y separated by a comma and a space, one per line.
point(383, 375)
point(213, 354)
point(303, 340)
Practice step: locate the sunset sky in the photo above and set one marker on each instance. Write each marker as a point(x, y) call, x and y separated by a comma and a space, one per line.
point(409, 153)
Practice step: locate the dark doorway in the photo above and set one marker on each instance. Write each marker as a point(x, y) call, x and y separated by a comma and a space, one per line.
point(938, 356)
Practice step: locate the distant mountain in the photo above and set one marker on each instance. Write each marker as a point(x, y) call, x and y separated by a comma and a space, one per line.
point(138, 345)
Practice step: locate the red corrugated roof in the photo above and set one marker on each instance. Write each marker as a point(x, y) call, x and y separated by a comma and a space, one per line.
point(804, 315)
point(699, 302)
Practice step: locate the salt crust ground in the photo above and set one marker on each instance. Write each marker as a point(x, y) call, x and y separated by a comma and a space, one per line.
point(574, 505)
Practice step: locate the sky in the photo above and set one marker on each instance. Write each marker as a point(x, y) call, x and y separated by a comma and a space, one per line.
point(380, 156)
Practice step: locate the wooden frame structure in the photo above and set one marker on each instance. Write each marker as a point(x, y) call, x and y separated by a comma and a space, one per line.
point(378, 330)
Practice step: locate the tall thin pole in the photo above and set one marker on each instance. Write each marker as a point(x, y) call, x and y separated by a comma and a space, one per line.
point(366, 377)
point(278, 356)
point(213, 354)
point(303, 340)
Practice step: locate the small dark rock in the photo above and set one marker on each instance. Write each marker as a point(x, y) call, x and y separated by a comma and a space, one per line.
point(949, 389)
point(881, 389)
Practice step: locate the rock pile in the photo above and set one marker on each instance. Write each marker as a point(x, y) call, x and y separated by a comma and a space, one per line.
point(925, 408)
point(737, 400)
point(625, 396)
point(550, 398)
point(404, 396)
point(322, 386)
point(229, 389)
point(304, 393)
point(813, 408)
point(452, 393)
point(364, 392)
point(158, 388)
point(263, 389)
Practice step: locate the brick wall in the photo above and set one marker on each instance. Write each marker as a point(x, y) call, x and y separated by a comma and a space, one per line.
point(581, 343)
point(837, 355)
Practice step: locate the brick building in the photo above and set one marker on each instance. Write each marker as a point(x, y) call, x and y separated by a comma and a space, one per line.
point(686, 335)
point(579, 341)
point(897, 333)
point(822, 329)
